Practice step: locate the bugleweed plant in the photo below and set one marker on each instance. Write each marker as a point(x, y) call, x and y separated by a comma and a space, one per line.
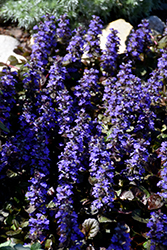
point(83, 158)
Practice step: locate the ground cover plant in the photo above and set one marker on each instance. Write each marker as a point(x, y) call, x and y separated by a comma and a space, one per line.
point(83, 142)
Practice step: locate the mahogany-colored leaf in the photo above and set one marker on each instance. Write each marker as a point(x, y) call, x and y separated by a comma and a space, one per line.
point(154, 201)
point(90, 228)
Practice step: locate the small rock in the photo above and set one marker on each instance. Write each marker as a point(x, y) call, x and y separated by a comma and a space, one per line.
point(124, 28)
point(7, 46)
point(156, 24)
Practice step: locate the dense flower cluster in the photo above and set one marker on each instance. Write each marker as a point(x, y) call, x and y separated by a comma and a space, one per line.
point(162, 65)
point(153, 86)
point(92, 45)
point(9, 157)
point(75, 47)
point(140, 40)
point(101, 169)
point(158, 229)
point(109, 55)
point(87, 86)
point(71, 162)
point(163, 172)
point(28, 149)
point(61, 100)
point(63, 32)
point(89, 132)
point(127, 103)
point(37, 195)
point(45, 43)
point(120, 239)
point(7, 93)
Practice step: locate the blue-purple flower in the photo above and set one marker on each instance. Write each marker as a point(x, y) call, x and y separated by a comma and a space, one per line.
point(158, 229)
point(37, 196)
point(75, 47)
point(121, 238)
point(63, 32)
point(102, 171)
point(7, 96)
point(92, 44)
point(45, 43)
point(163, 171)
point(139, 41)
point(110, 53)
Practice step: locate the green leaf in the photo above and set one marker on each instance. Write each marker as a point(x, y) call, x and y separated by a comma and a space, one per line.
point(14, 227)
point(147, 244)
point(51, 204)
point(11, 174)
point(12, 233)
point(3, 127)
point(92, 180)
point(164, 136)
point(5, 214)
point(162, 43)
point(144, 190)
point(36, 246)
point(13, 60)
point(136, 216)
point(48, 244)
point(103, 219)
point(6, 248)
point(130, 129)
point(7, 243)
point(24, 224)
point(164, 128)
point(21, 247)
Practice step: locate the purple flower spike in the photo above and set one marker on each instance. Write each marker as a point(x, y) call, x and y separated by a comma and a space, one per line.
point(101, 168)
point(87, 86)
point(75, 47)
point(63, 32)
point(163, 172)
point(158, 229)
point(61, 99)
point(70, 235)
point(37, 195)
point(7, 101)
point(139, 41)
point(92, 45)
point(121, 238)
point(109, 55)
point(44, 43)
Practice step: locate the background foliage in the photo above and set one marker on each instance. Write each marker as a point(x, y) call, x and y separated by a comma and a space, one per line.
point(29, 12)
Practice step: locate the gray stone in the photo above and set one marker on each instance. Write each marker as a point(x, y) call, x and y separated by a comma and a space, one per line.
point(124, 28)
point(156, 24)
point(7, 46)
